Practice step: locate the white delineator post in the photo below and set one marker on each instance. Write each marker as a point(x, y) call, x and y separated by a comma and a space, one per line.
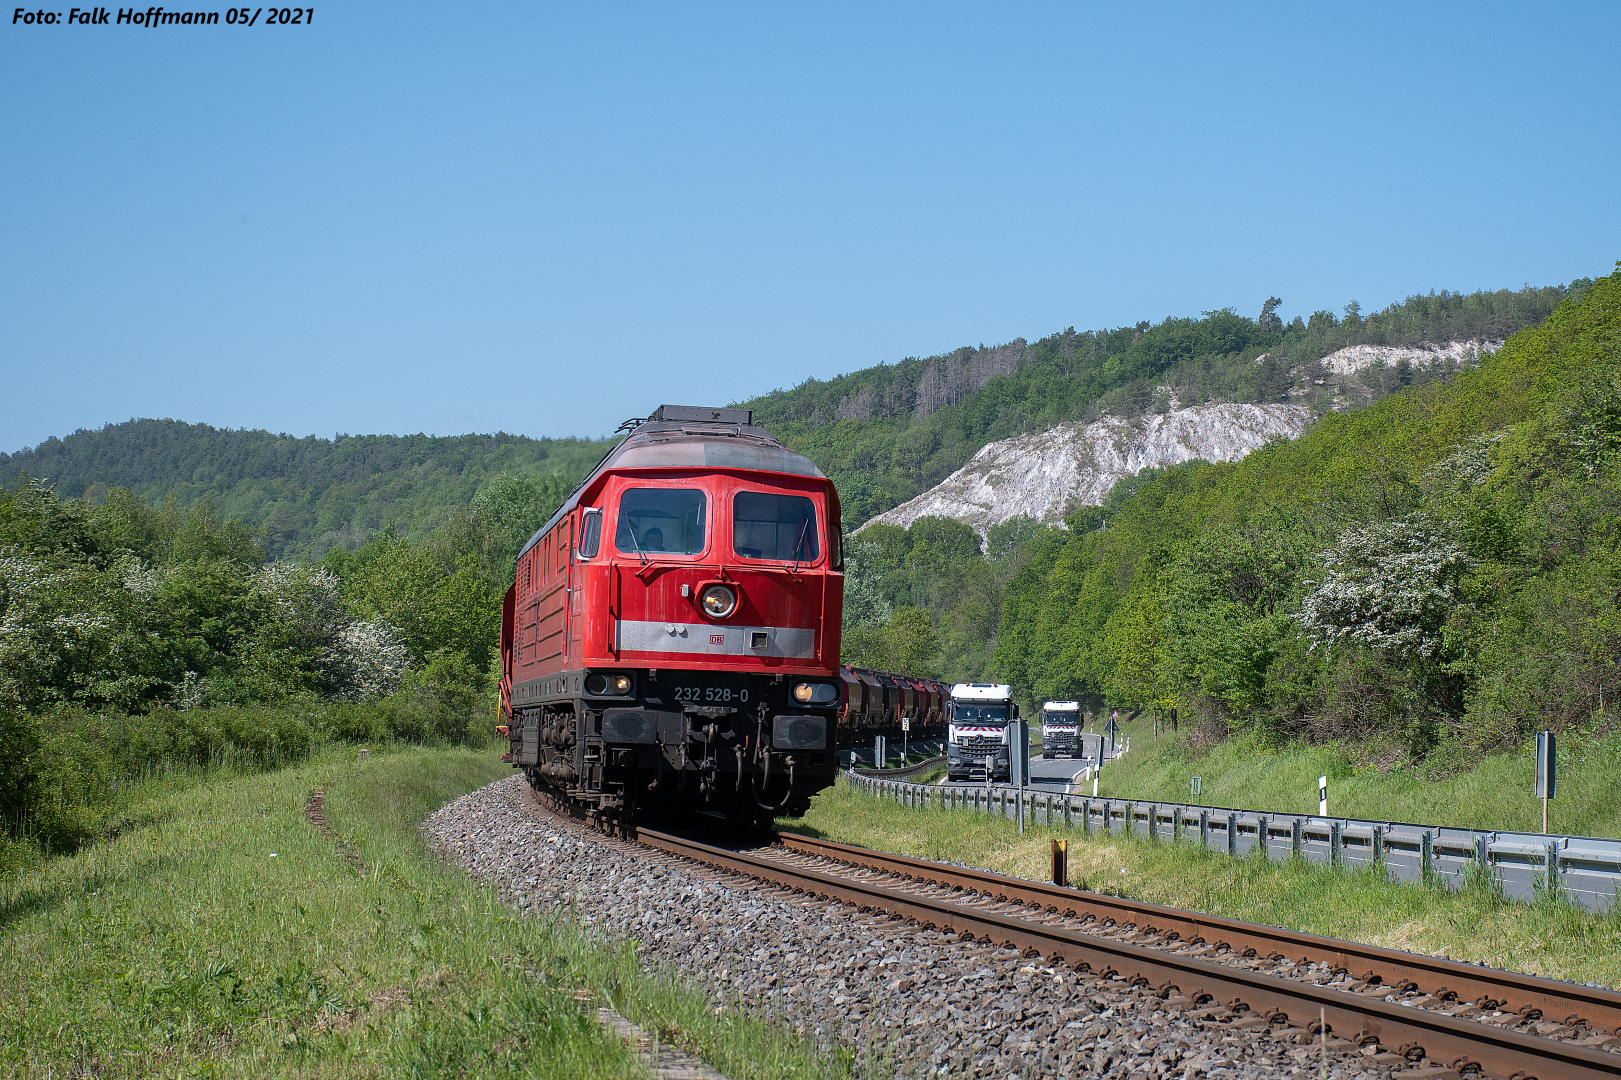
point(1545, 773)
point(1322, 796)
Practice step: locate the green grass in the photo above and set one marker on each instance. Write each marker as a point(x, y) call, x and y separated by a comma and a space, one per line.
point(219, 934)
point(1373, 785)
point(1549, 938)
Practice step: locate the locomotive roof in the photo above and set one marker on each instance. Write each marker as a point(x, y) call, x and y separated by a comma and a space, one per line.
point(674, 437)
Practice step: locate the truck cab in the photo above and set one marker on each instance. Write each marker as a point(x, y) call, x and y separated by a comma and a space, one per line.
point(1061, 729)
point(977, 719)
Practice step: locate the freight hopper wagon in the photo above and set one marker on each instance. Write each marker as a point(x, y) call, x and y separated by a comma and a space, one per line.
point(875, 703)
point(671, 642)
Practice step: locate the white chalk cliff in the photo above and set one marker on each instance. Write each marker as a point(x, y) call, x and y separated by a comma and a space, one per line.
point(1355, 358)
point(1076, 464)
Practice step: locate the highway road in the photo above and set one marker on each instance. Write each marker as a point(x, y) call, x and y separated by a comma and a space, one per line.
point(1046, 774)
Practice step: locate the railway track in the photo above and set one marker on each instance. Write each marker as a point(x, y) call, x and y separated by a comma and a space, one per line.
point(1425, 1016)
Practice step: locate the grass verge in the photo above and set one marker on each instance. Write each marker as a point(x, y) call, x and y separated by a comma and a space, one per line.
point(1550, 937)
point(1496, 793)
point(219, 934)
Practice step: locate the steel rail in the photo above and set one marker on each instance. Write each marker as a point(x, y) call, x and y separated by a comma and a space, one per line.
point(1514, 991)
point(1464, 1043)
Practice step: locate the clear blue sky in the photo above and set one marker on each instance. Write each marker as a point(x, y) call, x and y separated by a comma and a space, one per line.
point(544, 219)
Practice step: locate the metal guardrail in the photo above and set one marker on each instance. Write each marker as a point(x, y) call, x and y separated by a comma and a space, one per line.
point(901, 774)
point(1585, 869)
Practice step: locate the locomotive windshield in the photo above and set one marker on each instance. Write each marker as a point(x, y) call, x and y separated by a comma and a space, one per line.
point(654, 521)
point(768, 526)
point(978, 714)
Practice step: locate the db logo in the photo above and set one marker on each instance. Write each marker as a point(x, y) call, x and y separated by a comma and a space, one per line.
point(717, 639)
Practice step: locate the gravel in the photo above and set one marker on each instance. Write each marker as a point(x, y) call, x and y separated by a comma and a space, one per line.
point(906, 1001)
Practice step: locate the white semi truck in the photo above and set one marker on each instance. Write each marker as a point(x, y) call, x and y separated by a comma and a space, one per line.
point(977, 730)
point(1061, 729)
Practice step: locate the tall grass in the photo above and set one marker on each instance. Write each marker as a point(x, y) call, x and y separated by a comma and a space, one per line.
point(220, 934)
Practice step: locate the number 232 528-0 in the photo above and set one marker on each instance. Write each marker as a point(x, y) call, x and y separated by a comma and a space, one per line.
point(719, 694)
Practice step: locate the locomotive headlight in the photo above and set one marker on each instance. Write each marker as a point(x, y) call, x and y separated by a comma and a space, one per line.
point(718, 601)
point(620, 684)
point(818, 693)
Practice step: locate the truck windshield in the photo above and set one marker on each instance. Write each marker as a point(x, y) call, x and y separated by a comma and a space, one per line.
point(979, 714)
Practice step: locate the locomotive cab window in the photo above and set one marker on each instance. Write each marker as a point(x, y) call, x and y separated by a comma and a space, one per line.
point(661, 521)
point(777, 527)
point(590, 533)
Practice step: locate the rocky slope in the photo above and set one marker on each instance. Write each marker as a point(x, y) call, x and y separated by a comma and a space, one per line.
point(1076, 464)
point(1357, 358)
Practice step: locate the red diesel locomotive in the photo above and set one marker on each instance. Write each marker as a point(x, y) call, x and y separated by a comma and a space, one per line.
point(672, 639)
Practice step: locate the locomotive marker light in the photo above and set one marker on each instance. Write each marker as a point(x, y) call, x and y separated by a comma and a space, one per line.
point(604, 684)
point(816, 693)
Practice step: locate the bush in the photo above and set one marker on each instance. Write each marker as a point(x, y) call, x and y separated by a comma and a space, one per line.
point(60, 772)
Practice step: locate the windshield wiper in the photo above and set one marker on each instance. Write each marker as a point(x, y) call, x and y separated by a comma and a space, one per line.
point(800, 543)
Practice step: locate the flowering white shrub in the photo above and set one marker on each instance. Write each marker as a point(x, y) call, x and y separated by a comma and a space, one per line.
point(140, 579)
point(54, 617)
point(1470, 465)
point(191, 692)
point(358, 659)
point(1388, 587)
point(368, 660)
point(304, 601)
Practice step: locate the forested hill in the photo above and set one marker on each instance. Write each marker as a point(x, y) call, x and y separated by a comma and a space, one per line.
point(308, 494)
point(885, 434)
point(1437, 573)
